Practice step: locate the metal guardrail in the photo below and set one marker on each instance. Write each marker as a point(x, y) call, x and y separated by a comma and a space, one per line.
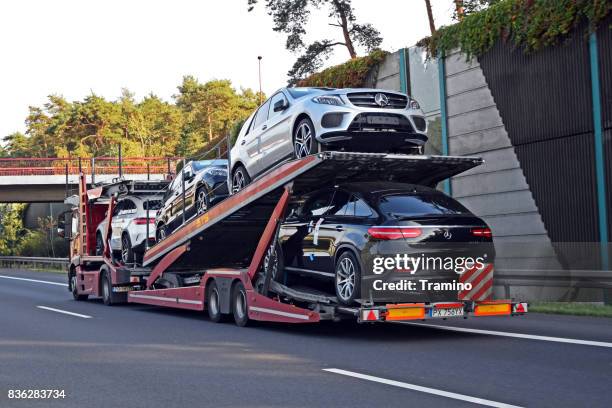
point(578, 279)
point(32, 262)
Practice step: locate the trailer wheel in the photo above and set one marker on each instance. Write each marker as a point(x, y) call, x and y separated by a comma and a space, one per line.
point(240, 307)
point(73, 288)
point(213, 302)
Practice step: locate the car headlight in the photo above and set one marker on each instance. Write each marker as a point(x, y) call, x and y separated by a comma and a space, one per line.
point(328, 100)
point(413, 104)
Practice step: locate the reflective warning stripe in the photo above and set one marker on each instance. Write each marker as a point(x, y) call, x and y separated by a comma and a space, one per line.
point(278, 312)
point(166, 299)
point(482, 283)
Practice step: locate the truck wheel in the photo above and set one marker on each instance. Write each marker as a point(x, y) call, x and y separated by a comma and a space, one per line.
point(73, 288)
point(240, 307)
point(127, 254)
point(348, 278)
point(108, 296)
point(213, 302)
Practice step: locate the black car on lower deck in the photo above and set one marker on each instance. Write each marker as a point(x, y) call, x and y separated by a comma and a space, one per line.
point(333, 236)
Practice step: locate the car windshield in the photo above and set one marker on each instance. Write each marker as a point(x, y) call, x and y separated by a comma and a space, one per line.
point(419, 204)
point(152, 205)
point(202, 164)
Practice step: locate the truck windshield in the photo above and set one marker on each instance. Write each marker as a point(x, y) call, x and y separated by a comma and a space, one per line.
point(421, 204)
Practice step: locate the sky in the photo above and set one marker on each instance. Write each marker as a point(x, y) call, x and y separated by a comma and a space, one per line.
point(75, 47)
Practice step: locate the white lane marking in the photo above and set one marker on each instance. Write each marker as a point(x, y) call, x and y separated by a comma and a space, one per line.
point(34, 280)
point(420, 388)
point(64, 312)
point(516, 335)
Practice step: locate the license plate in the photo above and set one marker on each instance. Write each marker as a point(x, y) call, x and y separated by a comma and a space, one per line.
point(383, 120)
point(406, 313)
point(447, 312)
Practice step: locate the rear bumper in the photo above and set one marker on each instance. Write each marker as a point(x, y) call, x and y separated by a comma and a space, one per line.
point(428, 311)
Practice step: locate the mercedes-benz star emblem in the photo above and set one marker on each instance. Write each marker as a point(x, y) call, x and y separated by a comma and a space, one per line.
point(381, 99)
point(448, 234)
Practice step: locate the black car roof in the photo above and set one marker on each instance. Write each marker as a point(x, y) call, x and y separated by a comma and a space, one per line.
point(386, 187)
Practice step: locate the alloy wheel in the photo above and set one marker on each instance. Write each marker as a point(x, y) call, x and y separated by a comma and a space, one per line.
point(345, 279)
point(238, 181)
point(271, 262)
point(303, 141)
point(125, 250)
point(202, 207)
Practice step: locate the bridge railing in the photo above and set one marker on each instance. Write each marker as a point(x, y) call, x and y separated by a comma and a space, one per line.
point(53, 166)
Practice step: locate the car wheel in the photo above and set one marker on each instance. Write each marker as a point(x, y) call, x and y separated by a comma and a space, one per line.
point(160, 233)
point(347, 278)
point(273, 262)
point(127, 254)
point(213, 302)
point(304, 140)
point(240, 179)
point(74, 289)
point(99, 244)
point(240, 307)
point(202, 202)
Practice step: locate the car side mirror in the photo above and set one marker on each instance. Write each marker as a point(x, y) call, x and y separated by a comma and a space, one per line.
point(280, 105)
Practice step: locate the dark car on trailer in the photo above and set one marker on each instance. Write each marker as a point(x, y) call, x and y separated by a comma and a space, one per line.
point(333, 235)
point(204, 183)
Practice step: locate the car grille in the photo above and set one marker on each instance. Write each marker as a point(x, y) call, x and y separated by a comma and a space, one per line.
point(366, 100)
point(375, 122)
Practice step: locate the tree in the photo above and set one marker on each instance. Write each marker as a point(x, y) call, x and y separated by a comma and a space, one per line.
point(291, 17)
point(432, 25)
point(467, 7)
point(12, 231)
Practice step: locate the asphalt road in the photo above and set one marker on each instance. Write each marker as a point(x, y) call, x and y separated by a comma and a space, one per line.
point(141, 356)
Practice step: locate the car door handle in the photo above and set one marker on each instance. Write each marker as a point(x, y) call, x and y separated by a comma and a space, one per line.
point(264, 127)
point(243, 142)
point(339, 228)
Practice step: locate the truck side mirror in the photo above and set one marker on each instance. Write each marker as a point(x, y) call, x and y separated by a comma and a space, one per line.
point(61, 225)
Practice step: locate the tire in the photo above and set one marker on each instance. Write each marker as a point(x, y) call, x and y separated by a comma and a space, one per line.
point(304, 139)
point(202, 202)
point(99, 244)
point(73, 289)
point(240, 306)
point(107, 289)
point(108, 296)
point(160, 233)
point(240, 179)
point(274, 259)
point(213, 302)
point(347, 280)
point(127, 253)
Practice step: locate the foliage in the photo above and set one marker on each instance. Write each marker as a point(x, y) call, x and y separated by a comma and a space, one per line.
point(351, 74)
point(150, 127)
point(529, 24)
point(12, 231)
point(471, 6)
point(291, 17)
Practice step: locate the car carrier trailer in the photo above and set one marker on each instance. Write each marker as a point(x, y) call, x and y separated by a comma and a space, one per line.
point(215, 262)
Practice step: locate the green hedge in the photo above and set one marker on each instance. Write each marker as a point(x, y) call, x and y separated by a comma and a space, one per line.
point(351, 74)
point(529, 24)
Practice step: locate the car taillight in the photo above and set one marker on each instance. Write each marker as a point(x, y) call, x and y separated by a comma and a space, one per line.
point(482, 232)
point(387, 233)
point(143, 221)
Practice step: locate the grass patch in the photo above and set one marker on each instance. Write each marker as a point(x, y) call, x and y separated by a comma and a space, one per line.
point(575, 309)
